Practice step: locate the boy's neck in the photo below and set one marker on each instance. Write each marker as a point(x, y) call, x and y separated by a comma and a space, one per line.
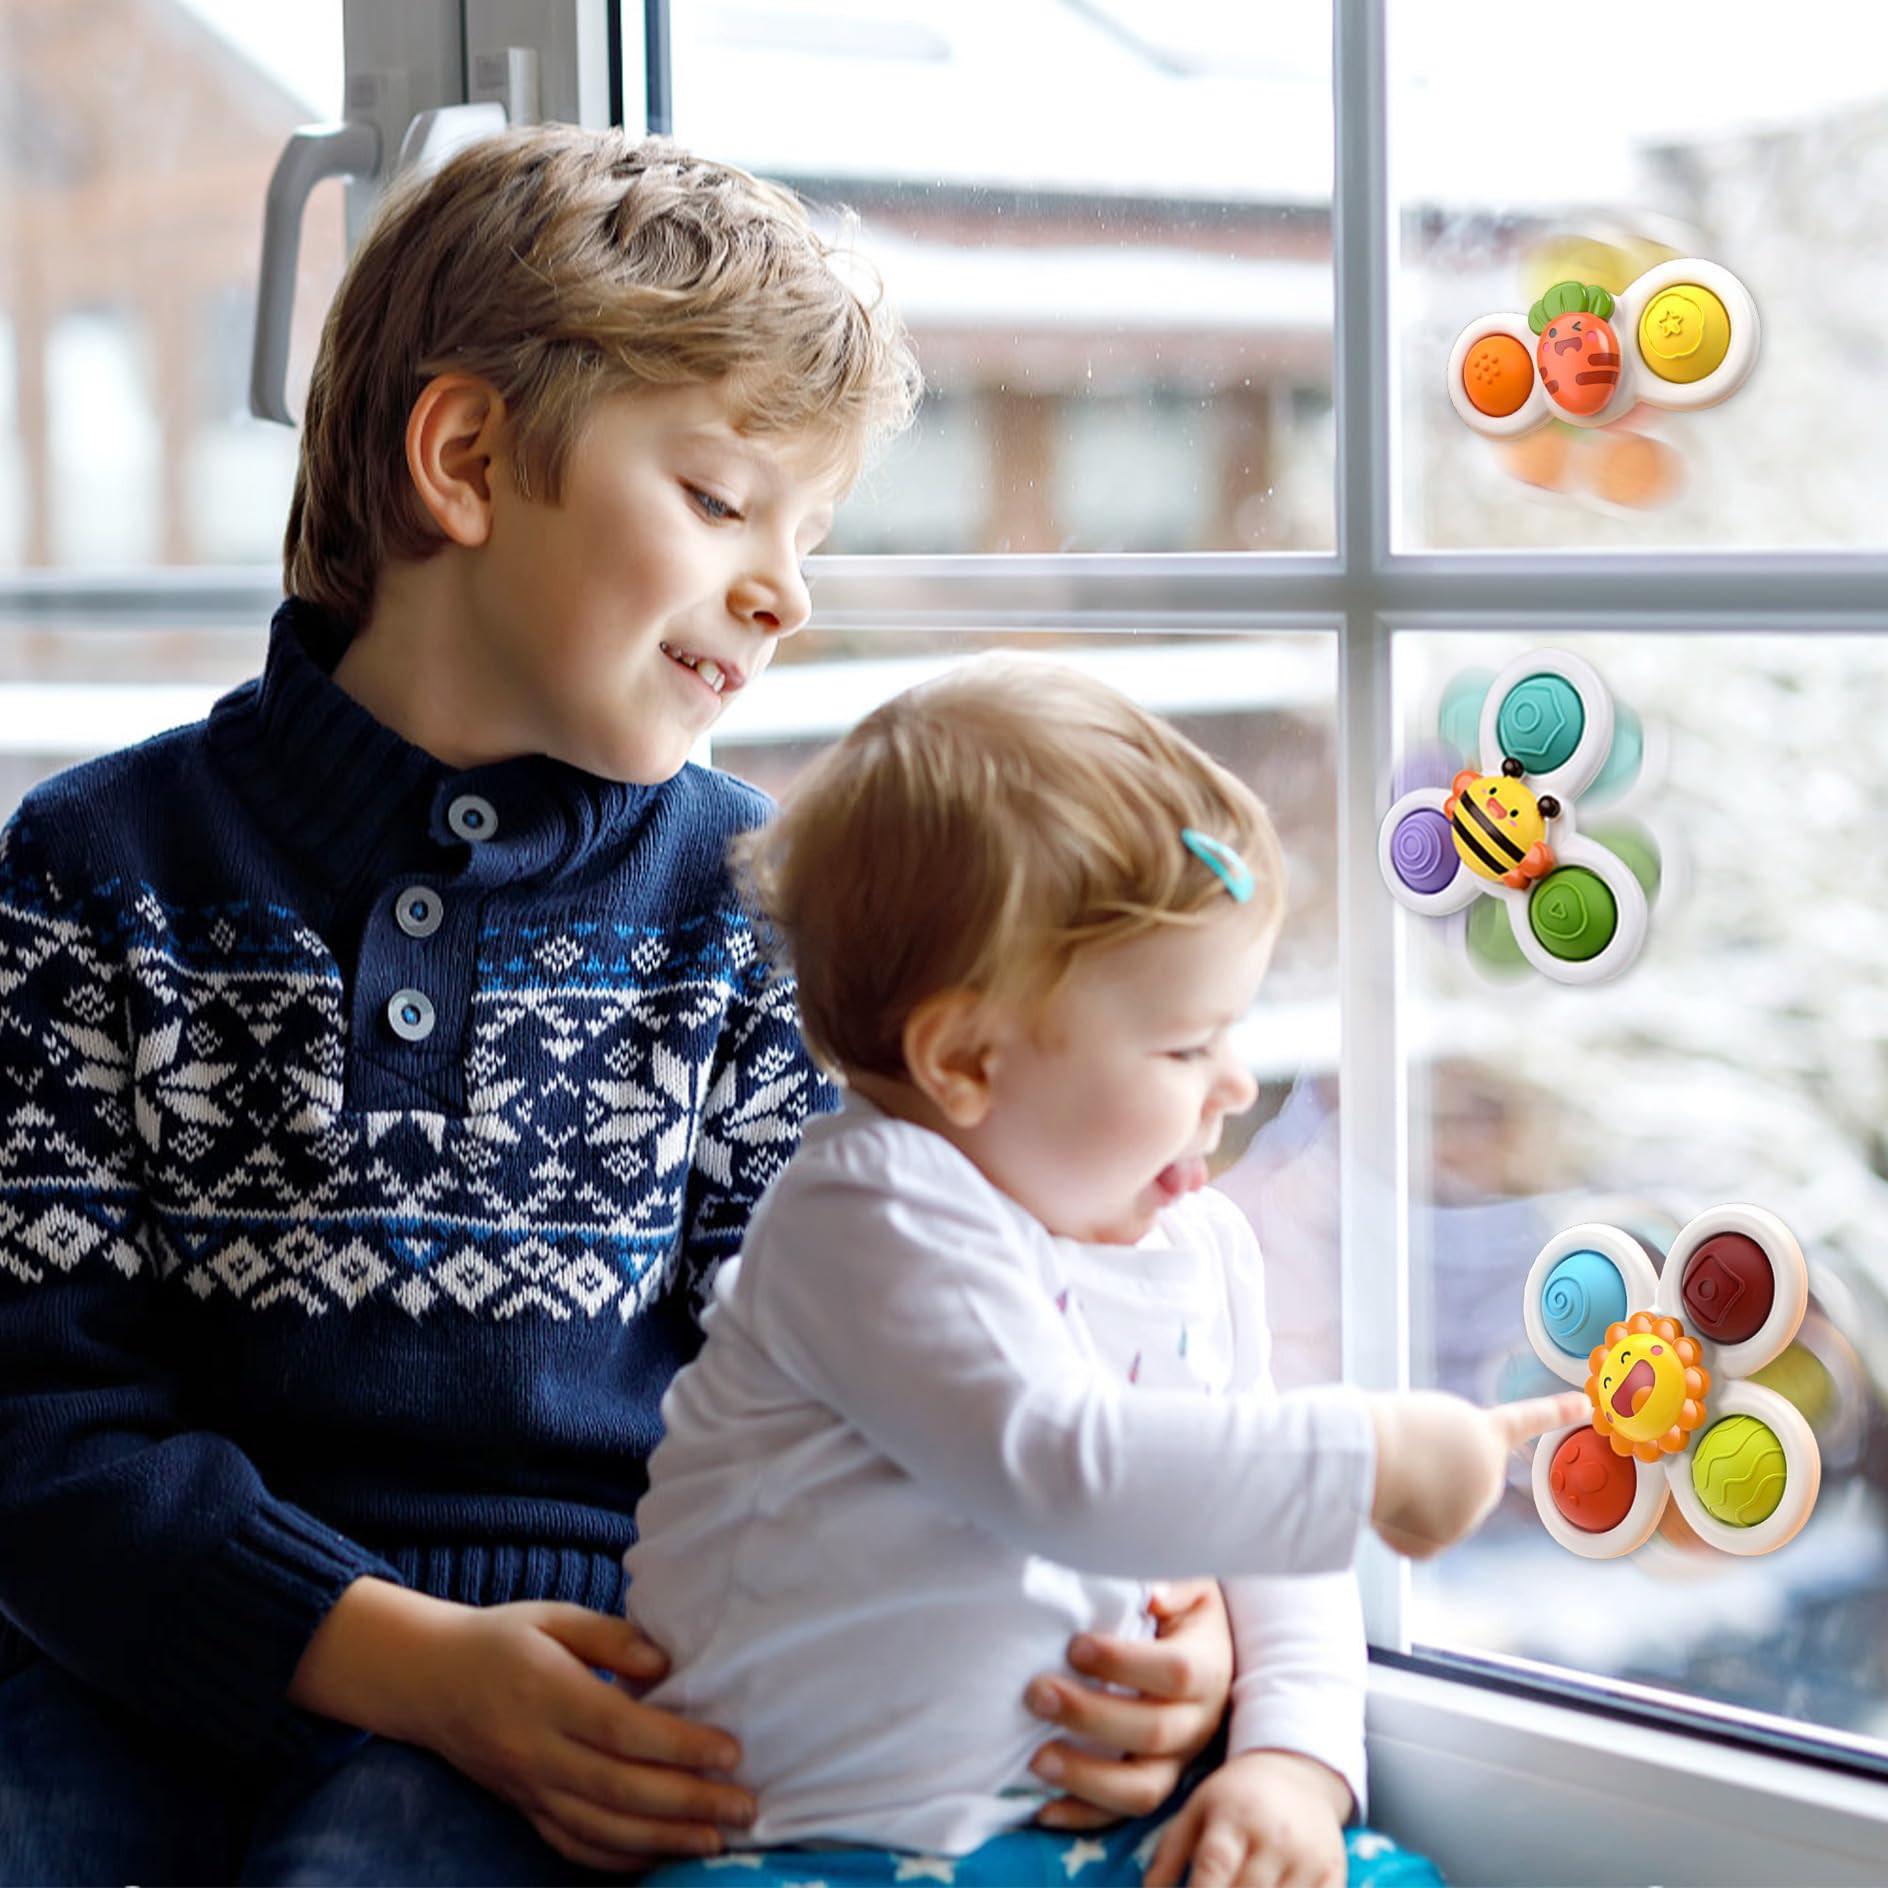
point(415, 666)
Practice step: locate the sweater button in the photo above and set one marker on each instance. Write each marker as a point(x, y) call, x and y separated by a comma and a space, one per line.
point(411, 1014)
point(418, 911)
point(473, 818)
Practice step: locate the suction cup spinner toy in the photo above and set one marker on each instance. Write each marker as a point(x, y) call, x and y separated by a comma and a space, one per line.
point(1683, 335)
point(1666, 1360)
point(1508, 829)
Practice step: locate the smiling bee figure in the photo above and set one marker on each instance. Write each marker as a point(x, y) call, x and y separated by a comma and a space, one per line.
point(1500, 828)
point(1576, 912)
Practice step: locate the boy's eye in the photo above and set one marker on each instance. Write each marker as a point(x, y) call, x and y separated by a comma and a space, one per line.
point(711, 507)
point(1197, 1054)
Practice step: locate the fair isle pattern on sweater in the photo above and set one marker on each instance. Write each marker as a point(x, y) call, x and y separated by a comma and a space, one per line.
point(561, 1193)
point(295, 1289)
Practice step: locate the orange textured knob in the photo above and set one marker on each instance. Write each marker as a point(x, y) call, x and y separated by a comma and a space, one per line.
point(1497, 376)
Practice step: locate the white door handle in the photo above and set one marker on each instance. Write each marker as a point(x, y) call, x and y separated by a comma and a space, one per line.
point(313, 153)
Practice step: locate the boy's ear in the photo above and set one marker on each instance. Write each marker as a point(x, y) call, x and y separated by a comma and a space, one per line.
point(453, 437)
point(948, 1053)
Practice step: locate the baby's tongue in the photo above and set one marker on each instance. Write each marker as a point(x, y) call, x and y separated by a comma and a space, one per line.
point(1181, 1176)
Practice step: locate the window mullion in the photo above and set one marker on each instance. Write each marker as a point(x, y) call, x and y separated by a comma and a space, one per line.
point(1372, 1159)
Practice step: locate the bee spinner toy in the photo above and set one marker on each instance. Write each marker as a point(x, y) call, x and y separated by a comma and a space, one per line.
point(1508, 829)
point(1684, 335)
point(1665, 1360)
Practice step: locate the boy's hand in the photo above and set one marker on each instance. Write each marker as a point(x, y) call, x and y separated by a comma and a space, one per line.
point(508, 1694)
point(1183, 1675)
point(1269, 1819)
point(1442, 1463)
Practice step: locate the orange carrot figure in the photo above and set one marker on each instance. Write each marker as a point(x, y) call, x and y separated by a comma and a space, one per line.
point(1578, 352)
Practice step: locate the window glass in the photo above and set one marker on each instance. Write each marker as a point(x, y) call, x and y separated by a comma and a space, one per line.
point(142, 140)
point(1649, 134)
point(12, 494)
point(72, 687)
point(1109, 228)
point(104, 505)
point(1737, 1060)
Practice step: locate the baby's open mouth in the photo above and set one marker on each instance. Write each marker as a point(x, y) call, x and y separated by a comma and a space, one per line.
point(1186, 1175)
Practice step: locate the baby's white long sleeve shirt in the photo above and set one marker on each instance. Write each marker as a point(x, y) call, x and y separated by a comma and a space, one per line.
point(926, 1441)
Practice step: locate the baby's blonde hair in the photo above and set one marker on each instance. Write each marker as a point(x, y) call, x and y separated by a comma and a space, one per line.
point(980, 832)
point(559, 265)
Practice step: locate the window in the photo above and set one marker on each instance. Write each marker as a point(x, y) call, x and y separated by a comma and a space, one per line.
point(1727, 1063)
point(1723, 140)
point(1109, 227)
point(1739, 1059)
point(132, 253)
point(141, 508)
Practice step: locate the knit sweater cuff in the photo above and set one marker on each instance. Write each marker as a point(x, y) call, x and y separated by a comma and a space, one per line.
point(263, 1594)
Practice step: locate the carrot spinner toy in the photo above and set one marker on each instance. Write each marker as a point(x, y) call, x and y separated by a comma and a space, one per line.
point(1683, 335)
point(1507, 829)
point(1673, 1413)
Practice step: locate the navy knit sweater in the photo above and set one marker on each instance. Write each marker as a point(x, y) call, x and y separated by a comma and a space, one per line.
point(369, 1132)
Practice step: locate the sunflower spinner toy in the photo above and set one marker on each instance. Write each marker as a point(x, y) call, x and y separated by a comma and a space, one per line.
point(1665, 1359)
point(1683, 335)
point(1508, 829)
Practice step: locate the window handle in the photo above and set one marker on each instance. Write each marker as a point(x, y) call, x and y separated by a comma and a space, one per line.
point(312, 154)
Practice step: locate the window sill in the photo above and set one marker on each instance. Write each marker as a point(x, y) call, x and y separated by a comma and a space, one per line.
point(1511, 1790)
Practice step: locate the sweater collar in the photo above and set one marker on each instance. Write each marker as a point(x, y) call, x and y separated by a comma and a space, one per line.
point(358, 800)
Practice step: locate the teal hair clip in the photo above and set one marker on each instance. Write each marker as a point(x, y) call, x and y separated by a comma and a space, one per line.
point(1220, 859)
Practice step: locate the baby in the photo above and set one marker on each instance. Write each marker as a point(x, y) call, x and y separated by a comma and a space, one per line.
point(994, 1354)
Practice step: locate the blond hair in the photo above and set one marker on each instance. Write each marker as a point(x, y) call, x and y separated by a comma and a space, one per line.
point(980, 832)
point(559, 265)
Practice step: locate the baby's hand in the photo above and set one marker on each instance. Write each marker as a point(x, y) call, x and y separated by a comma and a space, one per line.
point(1258, 1820)
point(1442, 1463)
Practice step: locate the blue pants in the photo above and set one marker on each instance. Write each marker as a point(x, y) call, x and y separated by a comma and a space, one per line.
point(1026, 1858)
point(89, 1793)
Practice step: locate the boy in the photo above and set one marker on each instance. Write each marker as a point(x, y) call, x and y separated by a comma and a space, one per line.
point(388, 1066)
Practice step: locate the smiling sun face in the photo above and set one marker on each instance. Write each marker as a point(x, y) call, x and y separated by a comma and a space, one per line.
point(1647, 1387)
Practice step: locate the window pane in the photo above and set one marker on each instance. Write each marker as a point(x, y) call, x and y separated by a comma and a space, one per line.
point(133, 216)
point(70, 690)
point(1109, 228)
point(1708, 134)
point(1739, 1060)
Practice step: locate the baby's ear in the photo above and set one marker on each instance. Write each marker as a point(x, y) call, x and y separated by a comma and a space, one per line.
point(453, 437)
point(947, 1045)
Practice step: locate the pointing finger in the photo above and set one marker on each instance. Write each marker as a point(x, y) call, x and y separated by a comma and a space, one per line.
point(1535, 1415)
